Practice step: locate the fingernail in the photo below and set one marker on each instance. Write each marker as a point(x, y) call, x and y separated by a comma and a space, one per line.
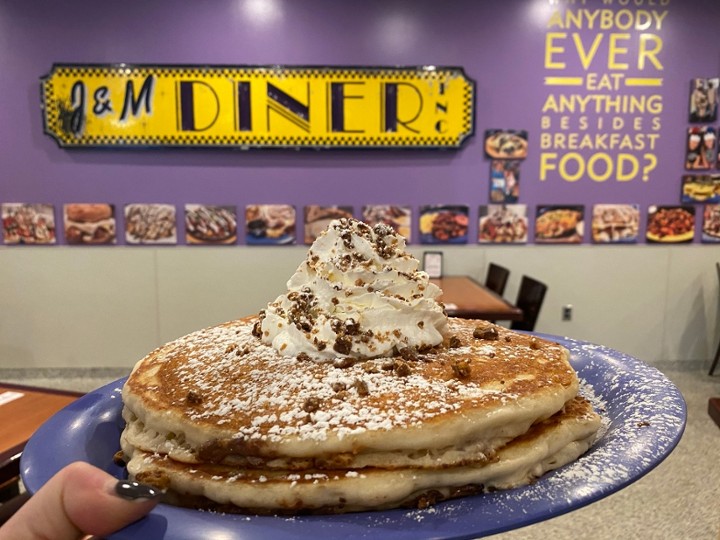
point(134, 490)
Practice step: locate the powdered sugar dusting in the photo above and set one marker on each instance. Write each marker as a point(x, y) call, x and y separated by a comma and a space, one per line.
point(229, 374)
point(644, 417)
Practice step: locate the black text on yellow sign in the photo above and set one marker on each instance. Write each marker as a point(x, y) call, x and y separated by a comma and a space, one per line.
point(255, 107)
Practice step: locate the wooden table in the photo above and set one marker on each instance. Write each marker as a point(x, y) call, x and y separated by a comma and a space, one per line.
point(465, 297)
point(23, 409)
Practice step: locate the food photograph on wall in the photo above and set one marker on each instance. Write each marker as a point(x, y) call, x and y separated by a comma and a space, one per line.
point(504, 180)
point(559, 224)
point(317, 219)
point(25, 223)
point(210, 224)
point(397, 217)
point(670, 224)
point(502, 224)
point(701, 151)
point(704, 99)
point(270, 224)
point(506, 144)
point(444, 224)
point(89, 223)
point(151, 224)
point(700, 188)
point(711, 223)
point(615, 223)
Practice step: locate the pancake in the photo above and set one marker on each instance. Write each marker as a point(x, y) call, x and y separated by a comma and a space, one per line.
point(546, 446)
point(352, 391)
point(221, 396)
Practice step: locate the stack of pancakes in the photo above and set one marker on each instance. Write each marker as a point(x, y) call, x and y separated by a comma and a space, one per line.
point(222, 421)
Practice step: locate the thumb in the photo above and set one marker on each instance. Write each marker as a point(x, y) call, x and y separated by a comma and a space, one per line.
point(79, 500)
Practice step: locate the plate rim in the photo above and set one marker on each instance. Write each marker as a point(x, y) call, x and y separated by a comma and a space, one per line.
point(358, 525)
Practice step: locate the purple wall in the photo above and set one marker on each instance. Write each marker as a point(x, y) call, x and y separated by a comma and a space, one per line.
point(501, 45)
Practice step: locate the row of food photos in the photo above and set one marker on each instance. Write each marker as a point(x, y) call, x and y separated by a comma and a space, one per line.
point(277, 224)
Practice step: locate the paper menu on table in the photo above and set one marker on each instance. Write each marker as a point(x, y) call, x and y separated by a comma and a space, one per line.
point(7, 397)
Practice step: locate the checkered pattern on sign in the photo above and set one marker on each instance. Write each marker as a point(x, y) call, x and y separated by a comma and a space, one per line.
point(54, 123)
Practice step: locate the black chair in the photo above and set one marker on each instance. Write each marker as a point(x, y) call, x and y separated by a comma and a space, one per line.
point(717, 353)
point(496, 278)
point(530, 299)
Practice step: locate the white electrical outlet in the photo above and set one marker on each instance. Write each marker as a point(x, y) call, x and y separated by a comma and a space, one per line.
point(567, 312)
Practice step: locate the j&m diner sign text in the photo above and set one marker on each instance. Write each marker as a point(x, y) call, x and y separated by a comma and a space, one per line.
point(124, 105)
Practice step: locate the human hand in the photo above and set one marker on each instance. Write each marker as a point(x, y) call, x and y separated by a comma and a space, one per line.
point(80, 500)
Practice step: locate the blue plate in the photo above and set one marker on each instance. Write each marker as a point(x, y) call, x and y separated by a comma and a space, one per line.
point(645, 418)
point(426, 238)
point(283, 240)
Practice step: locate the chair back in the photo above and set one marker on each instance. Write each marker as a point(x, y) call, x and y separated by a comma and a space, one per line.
point(530, 299)
point(496, 278)
point(717, 352)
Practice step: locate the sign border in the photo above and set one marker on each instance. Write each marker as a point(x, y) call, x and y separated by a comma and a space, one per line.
point(464, 137)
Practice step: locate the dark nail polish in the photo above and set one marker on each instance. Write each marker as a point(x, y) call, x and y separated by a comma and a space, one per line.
point(134, 490)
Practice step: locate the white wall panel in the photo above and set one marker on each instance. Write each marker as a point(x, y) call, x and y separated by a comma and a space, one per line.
point(692, 326)
point(106, 307)
point(202, 286)
point(66, 307)
point(617, 294)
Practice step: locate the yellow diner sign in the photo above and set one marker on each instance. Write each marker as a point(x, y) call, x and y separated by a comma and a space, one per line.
point(258, 106)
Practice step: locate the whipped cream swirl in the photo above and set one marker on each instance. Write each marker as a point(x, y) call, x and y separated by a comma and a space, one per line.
point(357, 295)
